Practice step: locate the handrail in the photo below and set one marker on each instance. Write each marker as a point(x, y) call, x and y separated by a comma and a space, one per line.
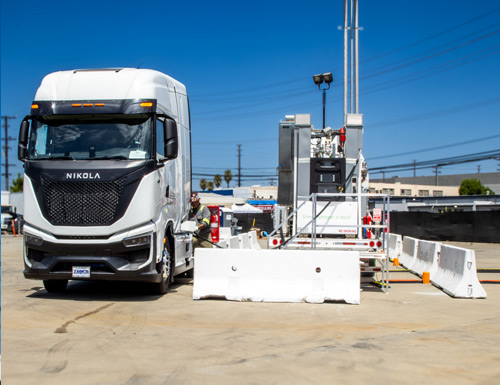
point(315, 216)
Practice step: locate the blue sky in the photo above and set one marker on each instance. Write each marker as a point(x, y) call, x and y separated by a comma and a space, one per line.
point(429, 71)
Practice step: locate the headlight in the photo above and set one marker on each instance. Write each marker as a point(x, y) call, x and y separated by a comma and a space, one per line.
point(32, 239)
point(140, 240)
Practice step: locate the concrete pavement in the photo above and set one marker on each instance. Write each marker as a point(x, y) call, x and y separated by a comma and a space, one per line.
point(115, 333)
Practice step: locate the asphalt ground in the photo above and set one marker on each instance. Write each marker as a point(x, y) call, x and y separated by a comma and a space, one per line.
point(115, 333)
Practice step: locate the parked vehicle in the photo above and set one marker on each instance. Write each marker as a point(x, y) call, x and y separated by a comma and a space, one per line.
point(15, 225)
point(6, 216)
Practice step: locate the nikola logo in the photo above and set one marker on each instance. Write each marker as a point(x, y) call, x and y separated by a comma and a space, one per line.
point(82, 175)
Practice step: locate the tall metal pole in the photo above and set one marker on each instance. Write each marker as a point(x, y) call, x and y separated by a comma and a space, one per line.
point(239, 165)
point(324, 103)
point(356, 54)
point(351, 30)
point(345, 60)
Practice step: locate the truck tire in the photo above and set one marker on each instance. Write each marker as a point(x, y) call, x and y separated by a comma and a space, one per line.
point(55, 286)
point(167, 268)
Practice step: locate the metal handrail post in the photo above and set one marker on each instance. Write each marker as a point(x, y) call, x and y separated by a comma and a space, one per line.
point(313, 244)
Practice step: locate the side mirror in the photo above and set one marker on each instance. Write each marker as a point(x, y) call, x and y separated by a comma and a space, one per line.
point(171, 141)
point(22, 147)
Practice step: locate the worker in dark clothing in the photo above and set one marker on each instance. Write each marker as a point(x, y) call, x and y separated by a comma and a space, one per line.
point(201, 214)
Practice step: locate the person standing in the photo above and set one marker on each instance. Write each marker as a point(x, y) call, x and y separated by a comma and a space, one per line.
point(201, 215)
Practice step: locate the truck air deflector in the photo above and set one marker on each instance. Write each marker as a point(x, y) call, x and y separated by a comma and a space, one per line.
point(81, 107)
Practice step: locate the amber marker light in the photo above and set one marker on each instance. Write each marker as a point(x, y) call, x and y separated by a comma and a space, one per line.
point(34, 106)
point(146, 104)
point(76, 105)
point(99, 105)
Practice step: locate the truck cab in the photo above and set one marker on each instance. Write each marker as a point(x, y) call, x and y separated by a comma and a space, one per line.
point(107, 165)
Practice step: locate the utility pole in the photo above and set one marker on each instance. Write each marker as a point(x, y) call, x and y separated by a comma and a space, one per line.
point(7, 138)
point(239, 165)
point(414, 168)
point(479, 169)
point(436, 170)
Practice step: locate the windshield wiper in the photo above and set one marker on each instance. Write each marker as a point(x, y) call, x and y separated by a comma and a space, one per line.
point(120, 157)
point(64, 157)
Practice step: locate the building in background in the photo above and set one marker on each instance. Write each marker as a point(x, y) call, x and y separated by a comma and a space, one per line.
point(431, 186)
point(412, 190)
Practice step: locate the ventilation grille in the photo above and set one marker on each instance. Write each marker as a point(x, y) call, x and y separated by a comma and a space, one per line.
point(82, 203)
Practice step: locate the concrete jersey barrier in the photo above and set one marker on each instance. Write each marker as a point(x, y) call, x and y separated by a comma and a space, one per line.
point(244, 241)
point(254, 243)
point(409, 252)
point(427, 258)
point(457, 273)
point(234, 242)
point(277, 275)
point(395, 245)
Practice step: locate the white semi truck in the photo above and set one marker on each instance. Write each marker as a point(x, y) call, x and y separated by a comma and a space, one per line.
point(107, 162)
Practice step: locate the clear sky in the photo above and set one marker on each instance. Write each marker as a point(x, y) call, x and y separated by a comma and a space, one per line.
point(429, 71)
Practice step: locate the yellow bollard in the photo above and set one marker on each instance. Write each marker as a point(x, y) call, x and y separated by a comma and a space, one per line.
point(426, 277)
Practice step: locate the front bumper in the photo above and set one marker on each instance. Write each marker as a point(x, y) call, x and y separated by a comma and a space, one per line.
point(46, 257)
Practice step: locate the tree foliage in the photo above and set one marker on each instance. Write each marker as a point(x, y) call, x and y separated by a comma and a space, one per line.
point(228, 176)
point(203, 184)
point(474, 187)
point(217, 180)
point(210, 186)
point(17, 184)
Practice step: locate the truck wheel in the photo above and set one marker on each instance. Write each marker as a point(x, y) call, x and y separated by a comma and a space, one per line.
point(167, 267)
point(55, 286)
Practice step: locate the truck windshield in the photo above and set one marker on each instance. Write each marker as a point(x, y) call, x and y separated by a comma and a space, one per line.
point(86, 137)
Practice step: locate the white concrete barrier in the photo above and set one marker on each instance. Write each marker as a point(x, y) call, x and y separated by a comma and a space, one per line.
point(395, 245)
point(234, 242)
point(244, 241)
point(457, 273)
point(224, 233)
point(222, 244)
point(277, 275)
point(409, 252)
point(427, 258)
point(254, 243)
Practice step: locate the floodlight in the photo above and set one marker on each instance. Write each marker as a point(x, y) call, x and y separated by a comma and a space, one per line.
point(318, 79)
point(328, 78)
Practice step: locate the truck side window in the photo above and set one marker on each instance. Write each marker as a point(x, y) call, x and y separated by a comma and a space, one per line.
point(160, 139)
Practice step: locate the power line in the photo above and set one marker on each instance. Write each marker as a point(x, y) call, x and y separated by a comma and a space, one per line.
point(431, 56)
point(436, 148)
point(432, 71)
point(441, 112)
point(433, 36)
point(438, 162)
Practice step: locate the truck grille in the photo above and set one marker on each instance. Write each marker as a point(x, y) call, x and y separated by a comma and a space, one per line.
point(82, 203)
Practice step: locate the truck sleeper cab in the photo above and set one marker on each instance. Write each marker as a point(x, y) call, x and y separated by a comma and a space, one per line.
point(107, 178)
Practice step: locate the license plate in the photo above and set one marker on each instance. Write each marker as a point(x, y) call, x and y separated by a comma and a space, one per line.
point(81, 272)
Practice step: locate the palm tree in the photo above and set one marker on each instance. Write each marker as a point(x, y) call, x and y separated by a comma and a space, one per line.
point(17, 184)
point(217, 180)
point(203, 184)
point(228, 176)
point(210, 186)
